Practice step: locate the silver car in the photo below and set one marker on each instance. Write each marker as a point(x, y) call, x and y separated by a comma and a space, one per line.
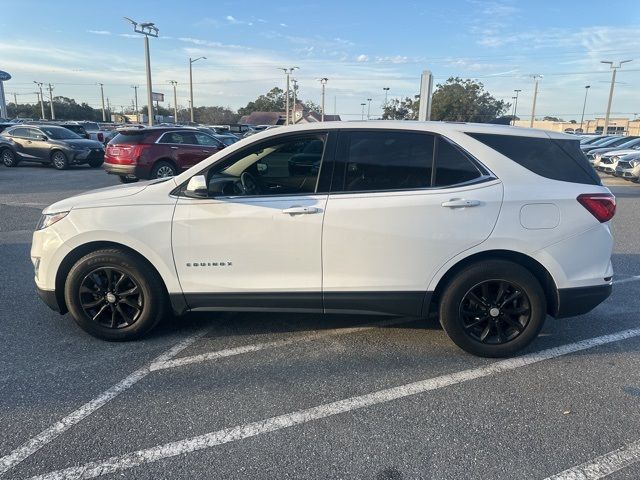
point(628, 167)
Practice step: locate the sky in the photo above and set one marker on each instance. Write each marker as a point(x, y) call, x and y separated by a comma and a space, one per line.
point(360, 46)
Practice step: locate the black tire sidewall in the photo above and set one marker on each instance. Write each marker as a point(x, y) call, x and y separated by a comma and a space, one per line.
point(14, 160)
point(160, 164)
point(147, 279)
point(475, 274)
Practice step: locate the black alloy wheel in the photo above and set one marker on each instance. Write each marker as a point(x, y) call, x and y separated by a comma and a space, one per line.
point(111, 298)
point(8, 158)
point(495, 311)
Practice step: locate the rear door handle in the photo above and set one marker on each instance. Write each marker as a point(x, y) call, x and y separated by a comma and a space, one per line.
point(206, 151)
point(301, 210)
point(460, 203)
point(174, 148)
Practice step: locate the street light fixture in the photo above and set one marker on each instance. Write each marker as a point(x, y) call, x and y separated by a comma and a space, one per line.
point(615, 68)
point(191, 62)
point(323, 81)
point(362, 105)
point(584, 105)
point(288, 72)
point(369, 108)
point(148, 29)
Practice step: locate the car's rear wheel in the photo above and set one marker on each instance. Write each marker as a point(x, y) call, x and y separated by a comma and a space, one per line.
point(114, 295)
point(96, 163)
point(127, 179)
point(163, 169)
point(493, 308)
point(59, 160)
point(8, 158)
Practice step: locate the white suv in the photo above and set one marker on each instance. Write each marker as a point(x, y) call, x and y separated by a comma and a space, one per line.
point(493, 227)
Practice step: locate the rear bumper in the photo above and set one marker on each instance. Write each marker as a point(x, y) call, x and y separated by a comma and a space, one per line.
point(116, 169)
point(580, 300)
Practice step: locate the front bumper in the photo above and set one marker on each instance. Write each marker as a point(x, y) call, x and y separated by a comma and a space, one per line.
point(50, 299)
point(87, 155)
point(581, 300)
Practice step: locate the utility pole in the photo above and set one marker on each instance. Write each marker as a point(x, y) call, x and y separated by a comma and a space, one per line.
point(535, 77)
point(53, 113)
point(135, 96)
point(288, 72)
point(323, 82)
point(104, 114)
point(41, 99)
point(386, 96)
point(584, 105)
point(615, 68)
point(362, 105)
point(175, 101)
point(108, 109)
point(369, 108)
point(15, 99)
point(295, 99)
point(191, 62)
point(148, 29)
point(515, 105)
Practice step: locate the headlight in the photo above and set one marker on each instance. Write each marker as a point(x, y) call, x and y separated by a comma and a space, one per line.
point(49, 219)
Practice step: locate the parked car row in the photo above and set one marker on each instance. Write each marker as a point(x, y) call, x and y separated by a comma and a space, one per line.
point(615, 155)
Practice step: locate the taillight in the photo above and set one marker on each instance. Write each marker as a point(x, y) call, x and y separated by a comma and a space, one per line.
point(600, 205)
point(122, 153)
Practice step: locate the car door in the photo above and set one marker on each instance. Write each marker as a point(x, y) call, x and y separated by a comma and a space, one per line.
point(36, 146)
point(401, 204)
point(182, 147)
point(260, 248)
point(19, 137)
point(208, 145)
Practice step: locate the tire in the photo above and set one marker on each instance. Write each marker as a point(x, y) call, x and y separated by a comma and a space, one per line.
point(163, 169)
point(59, 160)
point(8, 158)
point(95, 163)
point(125, 179)
point(472, 307)
point(135, 301)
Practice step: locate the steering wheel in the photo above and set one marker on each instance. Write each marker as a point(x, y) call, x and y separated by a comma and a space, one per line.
point(250, 185)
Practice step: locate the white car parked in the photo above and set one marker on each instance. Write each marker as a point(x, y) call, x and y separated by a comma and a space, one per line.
point(493, 227)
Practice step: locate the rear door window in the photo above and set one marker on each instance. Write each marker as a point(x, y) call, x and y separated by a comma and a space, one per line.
point(548, 157)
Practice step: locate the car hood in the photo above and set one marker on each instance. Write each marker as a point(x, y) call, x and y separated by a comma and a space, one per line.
point(620, 153)
point(102, 197)
point(83, 143)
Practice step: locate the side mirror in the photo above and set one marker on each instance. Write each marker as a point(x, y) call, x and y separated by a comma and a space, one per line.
point(262, 168)
point(197, 187)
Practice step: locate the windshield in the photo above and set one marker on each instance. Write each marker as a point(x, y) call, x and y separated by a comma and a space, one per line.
point(629, 144)
point(59, 133)
point(91, 126)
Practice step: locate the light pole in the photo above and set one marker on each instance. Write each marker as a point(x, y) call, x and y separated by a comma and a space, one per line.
point(535, 77)
point(175, 101)
point(369, 108)
point(386, 96)
point(53, 113)
point(104, 115)
point(148, 29)
point(584, 105)
point(323, 82)
point(613, 67)
point(41, 99)
point(515, 105)
point(295, 99)
point(135, 97)
point(191, 62)
point(362, 105)
point(288, 72)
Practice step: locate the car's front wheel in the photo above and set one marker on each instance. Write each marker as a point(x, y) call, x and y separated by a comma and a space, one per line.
point(493, 308)
point(8, 158)
point(114, 295)
point(59, 160)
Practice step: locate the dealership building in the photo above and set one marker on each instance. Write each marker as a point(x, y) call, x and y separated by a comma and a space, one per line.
point(622, 126)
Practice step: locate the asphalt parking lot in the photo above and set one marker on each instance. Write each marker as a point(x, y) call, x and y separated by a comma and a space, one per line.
point(308, 396)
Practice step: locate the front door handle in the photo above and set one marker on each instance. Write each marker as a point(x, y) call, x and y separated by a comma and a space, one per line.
point(174, 148)
point(460, 203)
point(301, 210)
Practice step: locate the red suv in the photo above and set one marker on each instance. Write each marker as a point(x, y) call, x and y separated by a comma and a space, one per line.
point(157, 152)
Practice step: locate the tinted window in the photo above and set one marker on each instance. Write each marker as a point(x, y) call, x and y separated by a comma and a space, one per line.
point(130, 138)
point(207, 140)
point(388, 161)
point(551, 158)
point(57, 133)
point(180, 138)
point(19, 132)
point(453, 166)
point(91, 126)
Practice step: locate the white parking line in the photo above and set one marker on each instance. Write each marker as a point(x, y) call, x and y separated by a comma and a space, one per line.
point(229, 352)
point(227, 435)
point(34, 444)
point(603, 465)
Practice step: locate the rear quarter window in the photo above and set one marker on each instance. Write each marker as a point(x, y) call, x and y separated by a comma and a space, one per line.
point(548, 157)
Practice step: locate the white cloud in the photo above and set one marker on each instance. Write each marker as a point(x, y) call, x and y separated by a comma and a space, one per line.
point(284, 25)
point(99, 32)
point(362, 58)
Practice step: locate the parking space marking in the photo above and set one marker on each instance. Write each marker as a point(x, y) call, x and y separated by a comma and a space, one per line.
point(34, 444)
point(603, 465)
point(232, 434)
point(229, 352)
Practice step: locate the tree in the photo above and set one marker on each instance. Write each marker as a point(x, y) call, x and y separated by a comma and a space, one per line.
point(553, 119)
point(465, 101)
point(397, 109)
point(273, 101)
